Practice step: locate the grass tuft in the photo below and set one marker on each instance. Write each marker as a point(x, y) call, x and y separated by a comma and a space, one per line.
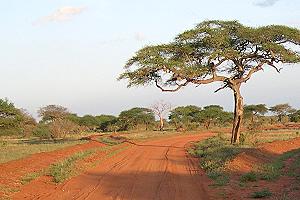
point(214, 153)
point(249, 177)
point(63, 170)
point(261, 194)
point(30, 177)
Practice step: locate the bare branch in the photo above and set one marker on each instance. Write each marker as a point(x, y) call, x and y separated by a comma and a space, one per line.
point(252, 71)
point(221, 88)
point(272, 65)
point(171, 90)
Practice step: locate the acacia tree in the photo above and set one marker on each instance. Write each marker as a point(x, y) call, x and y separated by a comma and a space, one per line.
point(160, 108)
point(51, 113)
point(214, 51)
point(255, 110)
point(282, 110)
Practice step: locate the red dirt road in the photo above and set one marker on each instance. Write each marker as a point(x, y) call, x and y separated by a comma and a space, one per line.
point(159, 169)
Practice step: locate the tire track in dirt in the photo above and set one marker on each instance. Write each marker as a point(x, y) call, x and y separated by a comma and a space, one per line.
point(158, 169)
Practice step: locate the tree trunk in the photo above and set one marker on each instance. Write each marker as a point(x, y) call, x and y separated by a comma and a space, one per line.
point(238, 115)
point(161, 127)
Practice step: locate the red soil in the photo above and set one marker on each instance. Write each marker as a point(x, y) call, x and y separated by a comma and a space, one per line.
point(248, 159)
point(284, 188)
point(12, 172)
point(159, 169)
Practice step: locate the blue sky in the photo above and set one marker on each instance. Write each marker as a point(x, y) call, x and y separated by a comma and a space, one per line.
point(70, 52)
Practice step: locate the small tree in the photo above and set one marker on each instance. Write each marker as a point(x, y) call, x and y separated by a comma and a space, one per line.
point(10, 116)
point(160, 108)
point(130, 119)
point(295, 117)
point(185, 117)
point(215, 51)
point(282, 110)
point(255, 110)
point(51, 113)
point(213, 114)
point(28, 123)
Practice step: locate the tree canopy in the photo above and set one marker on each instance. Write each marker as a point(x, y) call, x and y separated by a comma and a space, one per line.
point(214, 51)
point(10, 116)
point(129, 119)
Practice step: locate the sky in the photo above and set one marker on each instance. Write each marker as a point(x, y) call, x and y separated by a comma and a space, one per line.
point(70, 52)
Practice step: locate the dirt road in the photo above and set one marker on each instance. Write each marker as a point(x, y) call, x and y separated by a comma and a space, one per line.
point(159, 169)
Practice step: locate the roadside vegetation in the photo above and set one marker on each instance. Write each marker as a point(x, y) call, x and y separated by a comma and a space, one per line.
point(216, 153)
point(17, 149)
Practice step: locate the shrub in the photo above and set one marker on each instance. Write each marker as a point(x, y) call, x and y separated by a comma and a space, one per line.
point(261, 194)
point(249, 177)
point(42, 131)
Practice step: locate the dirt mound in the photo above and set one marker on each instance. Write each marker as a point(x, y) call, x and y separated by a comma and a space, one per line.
point(249, 158)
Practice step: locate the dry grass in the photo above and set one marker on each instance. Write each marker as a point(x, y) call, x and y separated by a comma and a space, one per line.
point(17, 149)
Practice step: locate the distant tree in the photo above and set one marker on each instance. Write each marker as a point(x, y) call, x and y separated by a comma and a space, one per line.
point(215, 51)
point(213, 114)
point(73, 117)
point(89, 121)
point(10, 116)
point(255, 110)
point(185, 116)
point(28, 123)
point(51, 113)
point(282, 110)
point(107, 120)
point(130, 119)
point(60, 128)
point(295, 117)
point(160, 109)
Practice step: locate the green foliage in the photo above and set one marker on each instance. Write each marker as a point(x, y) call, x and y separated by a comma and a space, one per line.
point(274, 170)
point(295, 117)
point(215, 152)
point(10, 118)
point(130, 119)
point(214, 114)
point(251, 111)
point(110, 140)
point(282, 110)
point(42, 131)
point(249, 177)
point(185, 117)
point(261, 194)
point(51, 113)
point(198, 53)
point(107, 122)
point(30, 177)
point(61, 171)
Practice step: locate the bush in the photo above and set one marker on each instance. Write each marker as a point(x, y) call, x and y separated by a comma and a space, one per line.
point(249, 177)
point(42, 131)
point(261, 194)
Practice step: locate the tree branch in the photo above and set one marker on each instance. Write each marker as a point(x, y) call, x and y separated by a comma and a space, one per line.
point(171, 90)
point(221, 88)
point(252, 71)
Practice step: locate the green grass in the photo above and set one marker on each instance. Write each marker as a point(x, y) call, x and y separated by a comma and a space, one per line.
point(214, 153)
point(20, 149)
point(149, 135)
point(31, 176)
point(249, 177)
point(261, 194)
point(273, 170)
point(66, 168)
point(109, 141)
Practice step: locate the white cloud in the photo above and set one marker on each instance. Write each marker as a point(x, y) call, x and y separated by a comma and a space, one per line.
point(62, 14)
point(266, 3)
